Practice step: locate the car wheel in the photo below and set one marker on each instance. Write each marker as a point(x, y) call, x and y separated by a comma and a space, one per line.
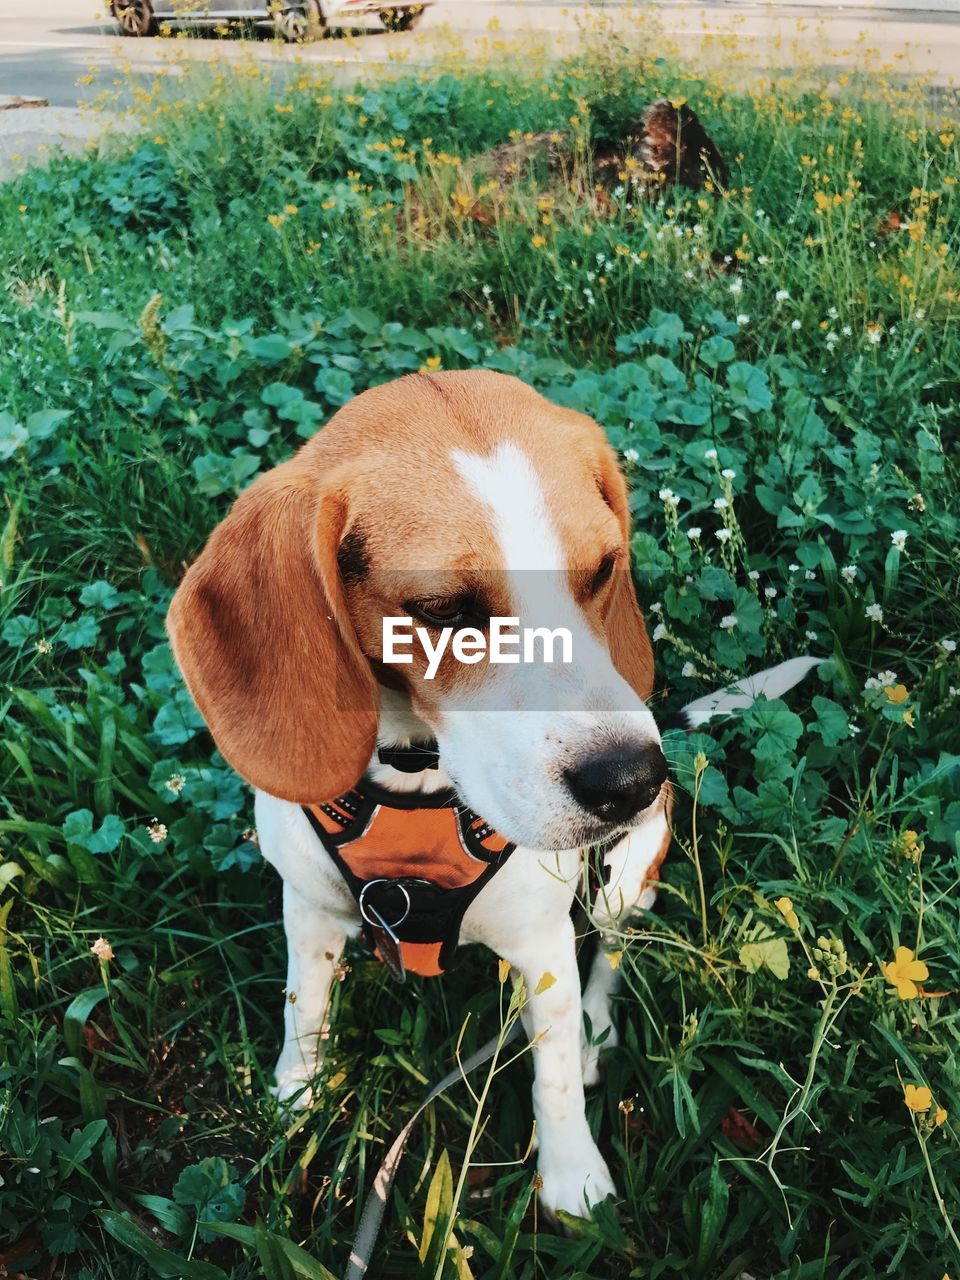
point(401, 19)
point(134, 17)
point(299, 22)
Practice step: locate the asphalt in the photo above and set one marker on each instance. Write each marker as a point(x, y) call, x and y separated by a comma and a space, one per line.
point(65, 52)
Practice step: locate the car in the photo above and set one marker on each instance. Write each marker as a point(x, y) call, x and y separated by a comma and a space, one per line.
point(294, 20)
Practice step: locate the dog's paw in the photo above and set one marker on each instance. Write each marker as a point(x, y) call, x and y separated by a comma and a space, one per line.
point(573, 1185)
point(294, 1087)
point(603, 1036)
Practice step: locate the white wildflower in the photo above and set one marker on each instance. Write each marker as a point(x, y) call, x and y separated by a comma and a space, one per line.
point(899, 539)
point(723, 535)
point(694, 532)
point(849, 573)
point(874, 613)
point(729, 621)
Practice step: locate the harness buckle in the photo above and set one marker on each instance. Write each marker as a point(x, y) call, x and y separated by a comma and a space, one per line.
point(385, 939)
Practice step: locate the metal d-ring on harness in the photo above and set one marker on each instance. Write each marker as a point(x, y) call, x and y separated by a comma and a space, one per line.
point(386, 942)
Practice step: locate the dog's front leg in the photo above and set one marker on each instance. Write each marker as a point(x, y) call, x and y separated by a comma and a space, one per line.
point(574, 1173)
point(315, 941)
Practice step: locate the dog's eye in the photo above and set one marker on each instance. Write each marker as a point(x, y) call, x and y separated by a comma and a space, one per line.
point(446, 611)
point(602, 576)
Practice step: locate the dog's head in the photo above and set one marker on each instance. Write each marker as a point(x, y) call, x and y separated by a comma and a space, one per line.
point(451, 499)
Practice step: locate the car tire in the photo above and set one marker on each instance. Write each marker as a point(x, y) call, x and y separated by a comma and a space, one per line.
point(401, 19)
point(300, 22)
point(134, 17)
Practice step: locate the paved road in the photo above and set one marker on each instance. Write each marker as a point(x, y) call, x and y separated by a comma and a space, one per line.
point(47, 45)
point(48, 48)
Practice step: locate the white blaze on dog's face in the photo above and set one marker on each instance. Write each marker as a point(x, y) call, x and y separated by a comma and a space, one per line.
point(451, 498)
point(522, 522)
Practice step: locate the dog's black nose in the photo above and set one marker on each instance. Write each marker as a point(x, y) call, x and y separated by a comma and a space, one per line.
point(619, 784)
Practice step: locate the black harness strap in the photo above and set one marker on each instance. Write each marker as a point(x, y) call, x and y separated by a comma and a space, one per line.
point(412, 908)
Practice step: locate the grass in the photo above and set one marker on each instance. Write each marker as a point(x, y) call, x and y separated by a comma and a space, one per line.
point(183, 312)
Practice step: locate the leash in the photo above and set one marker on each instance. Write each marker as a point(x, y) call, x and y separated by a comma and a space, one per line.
point(376, 1203)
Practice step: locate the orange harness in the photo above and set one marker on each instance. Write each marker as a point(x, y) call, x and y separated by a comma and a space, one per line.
point(414, 862)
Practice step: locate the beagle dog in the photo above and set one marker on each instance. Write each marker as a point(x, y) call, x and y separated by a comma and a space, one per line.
point(446, 499)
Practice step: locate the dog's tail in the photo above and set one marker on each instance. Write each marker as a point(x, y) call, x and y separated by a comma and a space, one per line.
point(772, 683)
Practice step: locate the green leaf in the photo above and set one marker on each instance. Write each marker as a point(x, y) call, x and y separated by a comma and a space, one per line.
point(365, 320)
point(777, 727)
point(301, 1261)
point(749, 388)
point(171, 1216)
point(19, 629)
point(271, 348)
point(99, 595)
point(44, 423)
point(832, 724)
point(77, 1015)
point(78, 829)
point(770, 953)
point(279, 394)
point(82, 633)
point(211, 1189)
point(716, 351)
point(164, 1263)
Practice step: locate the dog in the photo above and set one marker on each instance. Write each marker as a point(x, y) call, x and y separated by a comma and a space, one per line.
point(446, 499)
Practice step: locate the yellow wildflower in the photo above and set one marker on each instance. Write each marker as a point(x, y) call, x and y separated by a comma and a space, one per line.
point(291, 209)
point(939, 1116)
point(904, 972)
point(537, 241)
point(896, 693)
point(276, 220)
point(785, 907)
point(918, 1097)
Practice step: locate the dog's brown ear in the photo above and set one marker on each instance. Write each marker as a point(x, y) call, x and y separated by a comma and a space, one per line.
point(265, 643)
point(627, 637)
